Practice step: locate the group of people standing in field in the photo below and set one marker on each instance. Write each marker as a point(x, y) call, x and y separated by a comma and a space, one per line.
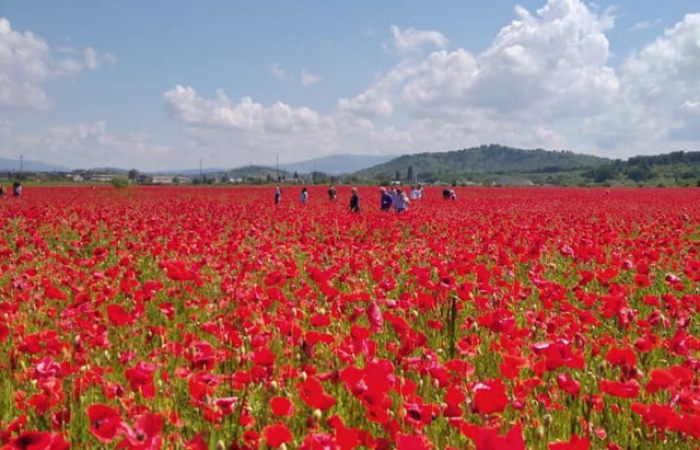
point(16, 189)
point(395, 197)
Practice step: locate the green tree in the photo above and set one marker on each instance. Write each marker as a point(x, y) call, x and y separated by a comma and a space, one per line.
point(120, 182)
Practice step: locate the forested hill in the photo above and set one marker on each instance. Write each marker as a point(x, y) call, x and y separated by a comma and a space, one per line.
point(487, 159)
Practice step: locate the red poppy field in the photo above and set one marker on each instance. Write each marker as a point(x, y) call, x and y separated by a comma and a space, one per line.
point(207, 318)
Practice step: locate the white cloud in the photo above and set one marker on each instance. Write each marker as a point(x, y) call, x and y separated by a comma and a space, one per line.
point(89, 144)
point(91, 58)
point(246, 115)
point(25, 66)
point(368, 104)
point(411, 39)
point(546, 80)
point(644, 25)
point(278, 72)
point(27, 62)
point(659, 95)
point(690, 107)
point(309, 78)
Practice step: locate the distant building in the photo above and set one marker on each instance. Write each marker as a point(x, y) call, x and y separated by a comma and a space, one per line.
point(162, 179)
point(169, 179)
point(101, 177)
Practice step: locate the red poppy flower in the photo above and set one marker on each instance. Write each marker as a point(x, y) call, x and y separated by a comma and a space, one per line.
point(37, 440)
point(575, 443)
point(282, 406)
point(276, 435)
point(490, 397)
point(104, 422)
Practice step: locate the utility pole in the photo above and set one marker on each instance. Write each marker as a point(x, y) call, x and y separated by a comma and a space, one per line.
point(21, 163)
point(278, 168)
point(201, 173)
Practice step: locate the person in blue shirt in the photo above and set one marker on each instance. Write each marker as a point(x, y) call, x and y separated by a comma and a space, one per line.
point(386, 200)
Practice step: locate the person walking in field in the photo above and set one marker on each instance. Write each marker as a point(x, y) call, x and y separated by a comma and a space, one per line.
point(386, 200)
point(3, 192)
point(354, 201)
point(332, 193)
point(304, 196)
point(401, 202)
point(278, 194)
point(17, 189)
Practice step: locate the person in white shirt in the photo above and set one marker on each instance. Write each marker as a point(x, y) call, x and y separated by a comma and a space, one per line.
point(401, 202)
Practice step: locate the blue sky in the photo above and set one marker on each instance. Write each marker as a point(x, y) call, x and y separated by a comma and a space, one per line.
point(158, 85)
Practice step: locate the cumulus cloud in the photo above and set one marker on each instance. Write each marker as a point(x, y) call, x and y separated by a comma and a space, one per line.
point(309, 78)
point(546, 80)
point(189, 108)
point(369, 103)
point(24, 66)
point(411, 39)
point(545, 67)
point(27, 62)
point(659, 94)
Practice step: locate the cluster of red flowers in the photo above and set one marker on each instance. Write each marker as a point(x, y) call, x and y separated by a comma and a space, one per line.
point(196, 318)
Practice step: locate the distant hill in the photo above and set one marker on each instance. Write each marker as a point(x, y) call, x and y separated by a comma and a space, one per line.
point(109, 170)
point(338, 164)
point(30, 166)
point(196, 172)
point(487, 159)
point(253, 172)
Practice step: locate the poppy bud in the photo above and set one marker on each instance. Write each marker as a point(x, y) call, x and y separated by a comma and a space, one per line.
point(274, 386)
point(547, 420)
point(283, 446)
point(220, 445)
point(468, 408)
point(539, 432)
point(303, 376)
point(317, 414)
